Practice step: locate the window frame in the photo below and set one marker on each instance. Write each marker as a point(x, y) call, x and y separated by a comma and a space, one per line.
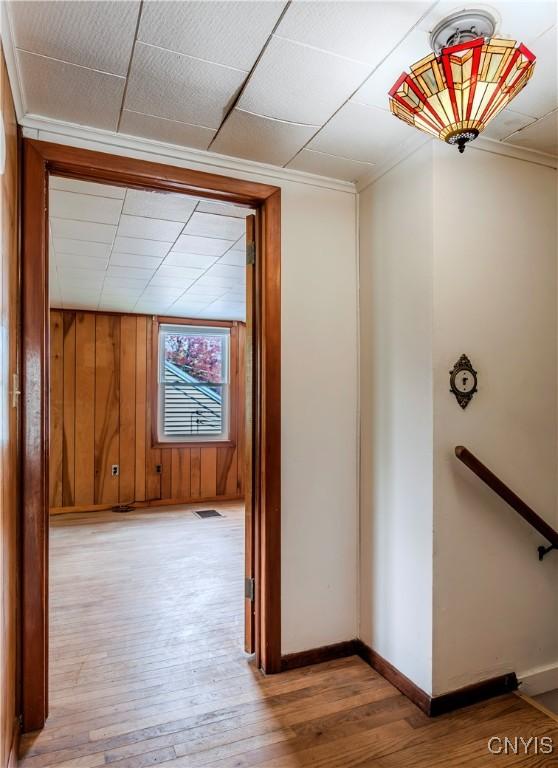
point(232, 439)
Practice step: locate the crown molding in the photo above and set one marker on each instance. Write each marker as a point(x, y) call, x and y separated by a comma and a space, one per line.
point(11, 61)
point(482, 144)
point(60, 132)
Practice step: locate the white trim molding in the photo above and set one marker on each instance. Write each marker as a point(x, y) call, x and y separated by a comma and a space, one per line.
point(60, 132)
point(539, 680)
point(482, 144)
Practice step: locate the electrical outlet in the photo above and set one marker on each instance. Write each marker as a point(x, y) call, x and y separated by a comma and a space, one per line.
point(159, 469)
point(115, 470)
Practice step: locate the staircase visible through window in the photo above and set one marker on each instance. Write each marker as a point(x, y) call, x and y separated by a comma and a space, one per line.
point(193, 383)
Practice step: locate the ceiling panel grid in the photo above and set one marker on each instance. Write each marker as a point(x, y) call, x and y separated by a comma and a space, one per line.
point(129, 250)
point(301, 84)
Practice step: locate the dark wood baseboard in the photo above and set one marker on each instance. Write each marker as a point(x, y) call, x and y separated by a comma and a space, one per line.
point(446, 702)
point(472, 694)
point(152, 504)
point(430, 705)
point(394, 676)
point(318, 655)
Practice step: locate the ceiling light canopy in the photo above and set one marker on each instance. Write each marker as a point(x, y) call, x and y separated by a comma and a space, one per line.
point(455, 93)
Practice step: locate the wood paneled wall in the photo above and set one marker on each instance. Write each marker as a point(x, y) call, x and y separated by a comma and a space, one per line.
point(9, 458)
point(100, 415)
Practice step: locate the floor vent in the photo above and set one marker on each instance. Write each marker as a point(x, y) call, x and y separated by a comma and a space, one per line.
point(203, 513)
point(122, 508)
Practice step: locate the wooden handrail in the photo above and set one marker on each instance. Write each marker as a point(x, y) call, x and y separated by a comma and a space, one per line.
point(511, 498)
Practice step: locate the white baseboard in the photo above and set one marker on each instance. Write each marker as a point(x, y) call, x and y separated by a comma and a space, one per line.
point(539, 680)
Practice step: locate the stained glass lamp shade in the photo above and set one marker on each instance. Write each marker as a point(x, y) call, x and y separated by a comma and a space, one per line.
point(456, 94)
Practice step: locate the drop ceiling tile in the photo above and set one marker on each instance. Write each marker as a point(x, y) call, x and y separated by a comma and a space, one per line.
point(234, 297)
point(358, 30)
point(116, 305)
point(86, 187)
point(240, 244)
point(150, 229)
point(82, 262)
point(81, 247)
point(85, 278)
point(168, 84)
point(70, 205)
point(541, 135)
point(299, 84)
point(230, 33)
point(196, 260)
point(207, 246)
point(171, 283)
point(151, 307)
point(200, 291)
point(236, 258)
point(139, 247)
point(98, 35)
point(225, 311)
point(540, 95)
point(127, 295)
point(213, 225)
point(505, 123)
point(121, 291)
point(135, 260)
point(223, 209)
point(178, 273)
point(159, 205)
point(185, 310)
point(160, 291)
point(163, 129)
point(82, 230)
point(216, 282)
point(361, 133)
point(329, 165)
point(186, 301)
point(229, 271)
point(135, 273)
point(262, 139)
point(66, 92)
point(374, 92)
point(124, 283)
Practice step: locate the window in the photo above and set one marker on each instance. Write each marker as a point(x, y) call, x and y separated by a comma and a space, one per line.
point(193, 403)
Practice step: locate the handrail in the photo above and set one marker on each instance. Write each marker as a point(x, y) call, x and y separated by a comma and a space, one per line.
point(504, 492)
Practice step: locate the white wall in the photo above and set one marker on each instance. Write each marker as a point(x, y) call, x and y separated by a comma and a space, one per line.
point(396, 263)
point(495, 297)
point(319, 414)
point(319, 387)
point(458, 253)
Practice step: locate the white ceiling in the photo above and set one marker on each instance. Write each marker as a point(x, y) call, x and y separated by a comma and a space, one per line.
point(126, 250)
point(301, 84)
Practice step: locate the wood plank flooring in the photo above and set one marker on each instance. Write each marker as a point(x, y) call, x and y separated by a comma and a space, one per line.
point(147, 668)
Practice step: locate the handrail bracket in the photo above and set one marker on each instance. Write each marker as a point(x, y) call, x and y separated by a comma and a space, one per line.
point(542, 550)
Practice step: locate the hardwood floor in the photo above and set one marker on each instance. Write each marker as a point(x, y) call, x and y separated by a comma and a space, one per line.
point(147, 668)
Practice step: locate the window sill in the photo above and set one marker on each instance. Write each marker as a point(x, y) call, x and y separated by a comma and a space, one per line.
point(195, 444)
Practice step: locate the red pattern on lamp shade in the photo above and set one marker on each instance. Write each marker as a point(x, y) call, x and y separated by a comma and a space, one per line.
point(457, 93)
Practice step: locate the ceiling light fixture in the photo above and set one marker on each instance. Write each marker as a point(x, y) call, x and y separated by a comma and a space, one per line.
point(456, 91)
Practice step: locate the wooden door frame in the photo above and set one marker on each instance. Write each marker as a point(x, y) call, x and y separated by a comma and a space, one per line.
point(41, 159)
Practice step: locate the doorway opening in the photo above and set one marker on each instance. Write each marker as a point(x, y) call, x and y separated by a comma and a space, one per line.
point(160, 331)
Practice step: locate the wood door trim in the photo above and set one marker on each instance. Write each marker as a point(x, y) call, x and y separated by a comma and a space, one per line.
point(42, 159)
